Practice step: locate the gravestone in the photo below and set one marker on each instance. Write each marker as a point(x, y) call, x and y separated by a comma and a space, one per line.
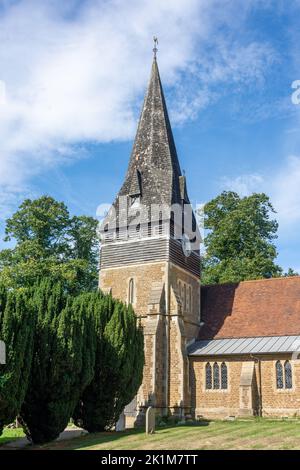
point(120, 424)
point(150, 420)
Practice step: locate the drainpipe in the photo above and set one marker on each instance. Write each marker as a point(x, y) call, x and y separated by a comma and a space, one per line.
point(257, 360)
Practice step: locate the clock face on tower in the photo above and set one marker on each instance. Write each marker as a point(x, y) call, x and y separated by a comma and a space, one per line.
point(186, 245)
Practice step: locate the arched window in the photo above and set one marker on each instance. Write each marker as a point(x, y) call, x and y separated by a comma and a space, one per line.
point(216, 375)
point(279, 375)
point(224, 376)
point(131, 291)
point(208, 376)
point(184, 296)
point(288, 375)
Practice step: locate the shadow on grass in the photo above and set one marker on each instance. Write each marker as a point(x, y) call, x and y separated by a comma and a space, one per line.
point(91, 439)
point(94, 439)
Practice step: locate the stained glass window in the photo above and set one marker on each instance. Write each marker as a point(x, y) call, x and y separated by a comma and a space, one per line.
point(288, 374)
point(224, 376)
point(216, 375)
point(208, 376)
point(279, 375)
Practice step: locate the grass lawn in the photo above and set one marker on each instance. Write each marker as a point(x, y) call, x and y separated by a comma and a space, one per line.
point(239, 434)
point(9, 435)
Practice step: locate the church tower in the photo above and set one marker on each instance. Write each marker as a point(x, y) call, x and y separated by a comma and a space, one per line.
point(150, 256)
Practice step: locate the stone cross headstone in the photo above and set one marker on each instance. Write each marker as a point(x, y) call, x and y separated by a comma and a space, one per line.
point(120, 425)
point(150, 420)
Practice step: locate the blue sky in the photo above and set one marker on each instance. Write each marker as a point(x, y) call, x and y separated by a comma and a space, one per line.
point(73, 75)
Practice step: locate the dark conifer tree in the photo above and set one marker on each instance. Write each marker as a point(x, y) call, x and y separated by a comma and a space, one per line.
point(63, 360)
point(16, 330)
point(118, 366)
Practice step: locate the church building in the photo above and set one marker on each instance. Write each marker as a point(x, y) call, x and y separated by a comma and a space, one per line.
point(210, 351)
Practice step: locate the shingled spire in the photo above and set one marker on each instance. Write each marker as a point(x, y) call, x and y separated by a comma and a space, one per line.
point(154, 157)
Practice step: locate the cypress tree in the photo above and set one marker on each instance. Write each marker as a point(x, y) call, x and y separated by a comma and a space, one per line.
point(63, 360)
point(118, 366)
point(131, 360)
point(16, 330)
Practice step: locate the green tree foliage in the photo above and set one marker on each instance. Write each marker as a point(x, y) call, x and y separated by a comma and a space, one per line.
point(16, 330)
point(63, 360)
point(49, 242)
point(239, 244)
point(118, 367)
point(290, 273)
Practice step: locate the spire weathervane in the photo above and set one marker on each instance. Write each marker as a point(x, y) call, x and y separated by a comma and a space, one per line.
point(155, 40)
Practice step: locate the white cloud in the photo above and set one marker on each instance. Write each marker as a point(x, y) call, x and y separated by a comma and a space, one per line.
point(74, 72)
point(286, 192)
point(239, 64)
point(244, 185)
point(10, 197)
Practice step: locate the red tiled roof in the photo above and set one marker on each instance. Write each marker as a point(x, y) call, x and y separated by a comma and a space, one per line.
point(251, 308)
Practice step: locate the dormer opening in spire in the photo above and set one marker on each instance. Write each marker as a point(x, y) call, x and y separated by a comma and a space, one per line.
point(135, 192)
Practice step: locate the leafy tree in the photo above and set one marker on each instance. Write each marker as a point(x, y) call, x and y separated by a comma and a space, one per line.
point(239, 244)
point(16, 330)
point(49, 242)
point(291, 273)
point(63, 360)
point(118, 367)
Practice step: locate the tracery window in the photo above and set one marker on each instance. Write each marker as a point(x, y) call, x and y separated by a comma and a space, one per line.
point(216, 375)
point(224, 376)
point(288, 381)
point(284, 375)
point(279, 375)
point(208, 376)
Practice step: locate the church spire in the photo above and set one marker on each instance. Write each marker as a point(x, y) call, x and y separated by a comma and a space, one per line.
point(154, 154)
